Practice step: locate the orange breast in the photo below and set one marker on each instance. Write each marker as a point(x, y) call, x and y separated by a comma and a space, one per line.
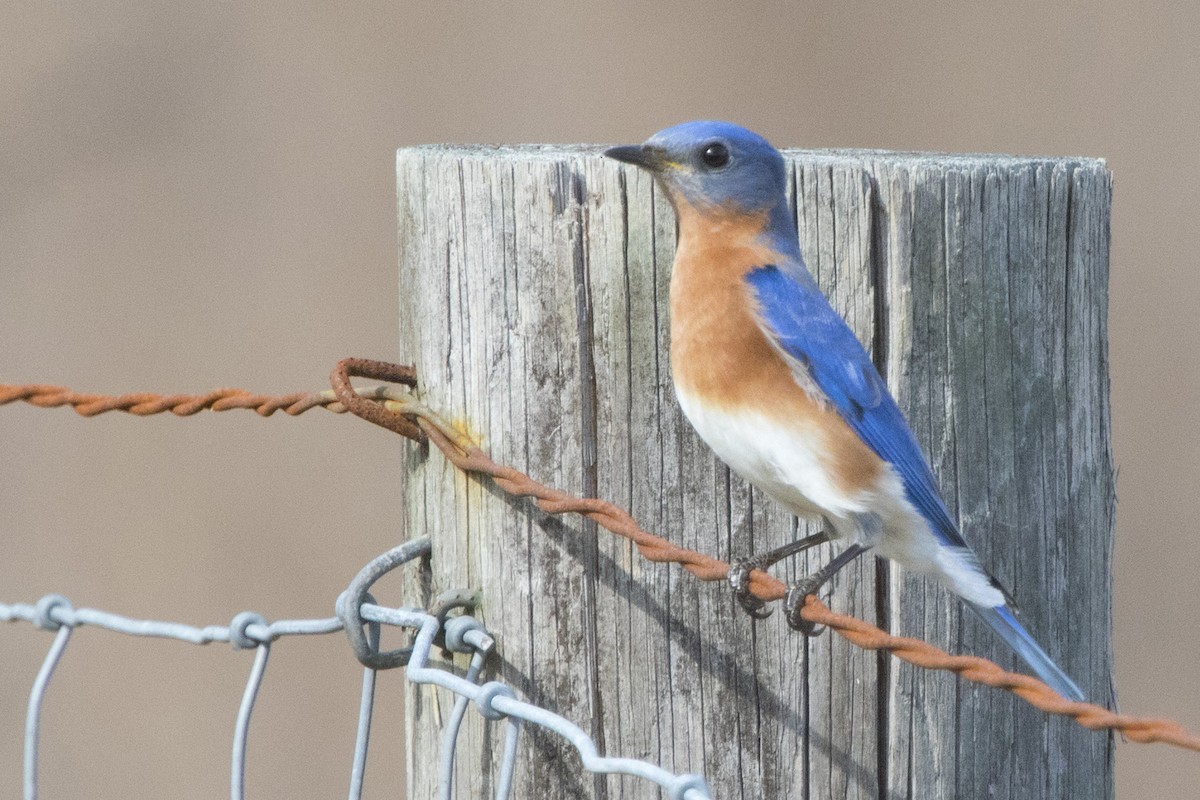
point(721, 357)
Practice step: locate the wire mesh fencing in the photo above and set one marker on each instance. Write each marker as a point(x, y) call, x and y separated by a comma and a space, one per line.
point(361, 619)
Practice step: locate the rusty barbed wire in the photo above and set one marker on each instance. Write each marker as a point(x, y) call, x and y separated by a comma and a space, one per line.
point(400, 411)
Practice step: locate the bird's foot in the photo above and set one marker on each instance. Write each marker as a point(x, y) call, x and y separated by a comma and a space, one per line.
point(739, 572)
point(739, 581)
point(793, 601)
point(793, 604)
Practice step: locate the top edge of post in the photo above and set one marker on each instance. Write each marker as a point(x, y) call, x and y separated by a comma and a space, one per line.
point(903, 158)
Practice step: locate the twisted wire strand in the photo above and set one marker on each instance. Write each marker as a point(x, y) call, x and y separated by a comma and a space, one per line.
point(400, 411)
point(181, 405)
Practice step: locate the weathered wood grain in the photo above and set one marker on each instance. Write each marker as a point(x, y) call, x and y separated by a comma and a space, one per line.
point(534, 304)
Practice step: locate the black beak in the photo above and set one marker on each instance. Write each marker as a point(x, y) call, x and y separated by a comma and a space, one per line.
point(640, 155)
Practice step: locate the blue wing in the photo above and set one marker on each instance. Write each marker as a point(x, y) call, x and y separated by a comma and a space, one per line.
point(807, 328)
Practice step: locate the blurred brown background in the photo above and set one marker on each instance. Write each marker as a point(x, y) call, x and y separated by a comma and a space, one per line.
point(196, 197)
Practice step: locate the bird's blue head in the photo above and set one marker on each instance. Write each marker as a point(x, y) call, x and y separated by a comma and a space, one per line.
point(713, 164)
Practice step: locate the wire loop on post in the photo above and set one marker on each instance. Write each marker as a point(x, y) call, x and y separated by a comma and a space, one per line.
point(350, 603)
point(365, 409)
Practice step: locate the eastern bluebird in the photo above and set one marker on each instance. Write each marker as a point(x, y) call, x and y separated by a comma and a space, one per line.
point(775, 382)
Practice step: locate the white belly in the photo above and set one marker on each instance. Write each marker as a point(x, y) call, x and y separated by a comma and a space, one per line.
point(785, 461)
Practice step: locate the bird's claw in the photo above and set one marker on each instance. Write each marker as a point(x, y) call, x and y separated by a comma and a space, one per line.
point(793, 604)
point(739, 580)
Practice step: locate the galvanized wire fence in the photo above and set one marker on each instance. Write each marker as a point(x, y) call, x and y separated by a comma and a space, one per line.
point(360, 618)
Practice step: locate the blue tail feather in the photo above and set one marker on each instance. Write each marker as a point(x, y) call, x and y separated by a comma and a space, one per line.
point(1001, 620)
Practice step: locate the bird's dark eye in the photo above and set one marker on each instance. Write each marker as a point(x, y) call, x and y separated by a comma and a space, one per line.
point(715, 155)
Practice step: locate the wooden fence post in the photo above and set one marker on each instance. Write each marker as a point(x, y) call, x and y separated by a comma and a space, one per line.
point(533, 302)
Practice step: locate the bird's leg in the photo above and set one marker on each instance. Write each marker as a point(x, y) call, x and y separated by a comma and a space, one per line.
point(794, 600)
point(739, 572)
